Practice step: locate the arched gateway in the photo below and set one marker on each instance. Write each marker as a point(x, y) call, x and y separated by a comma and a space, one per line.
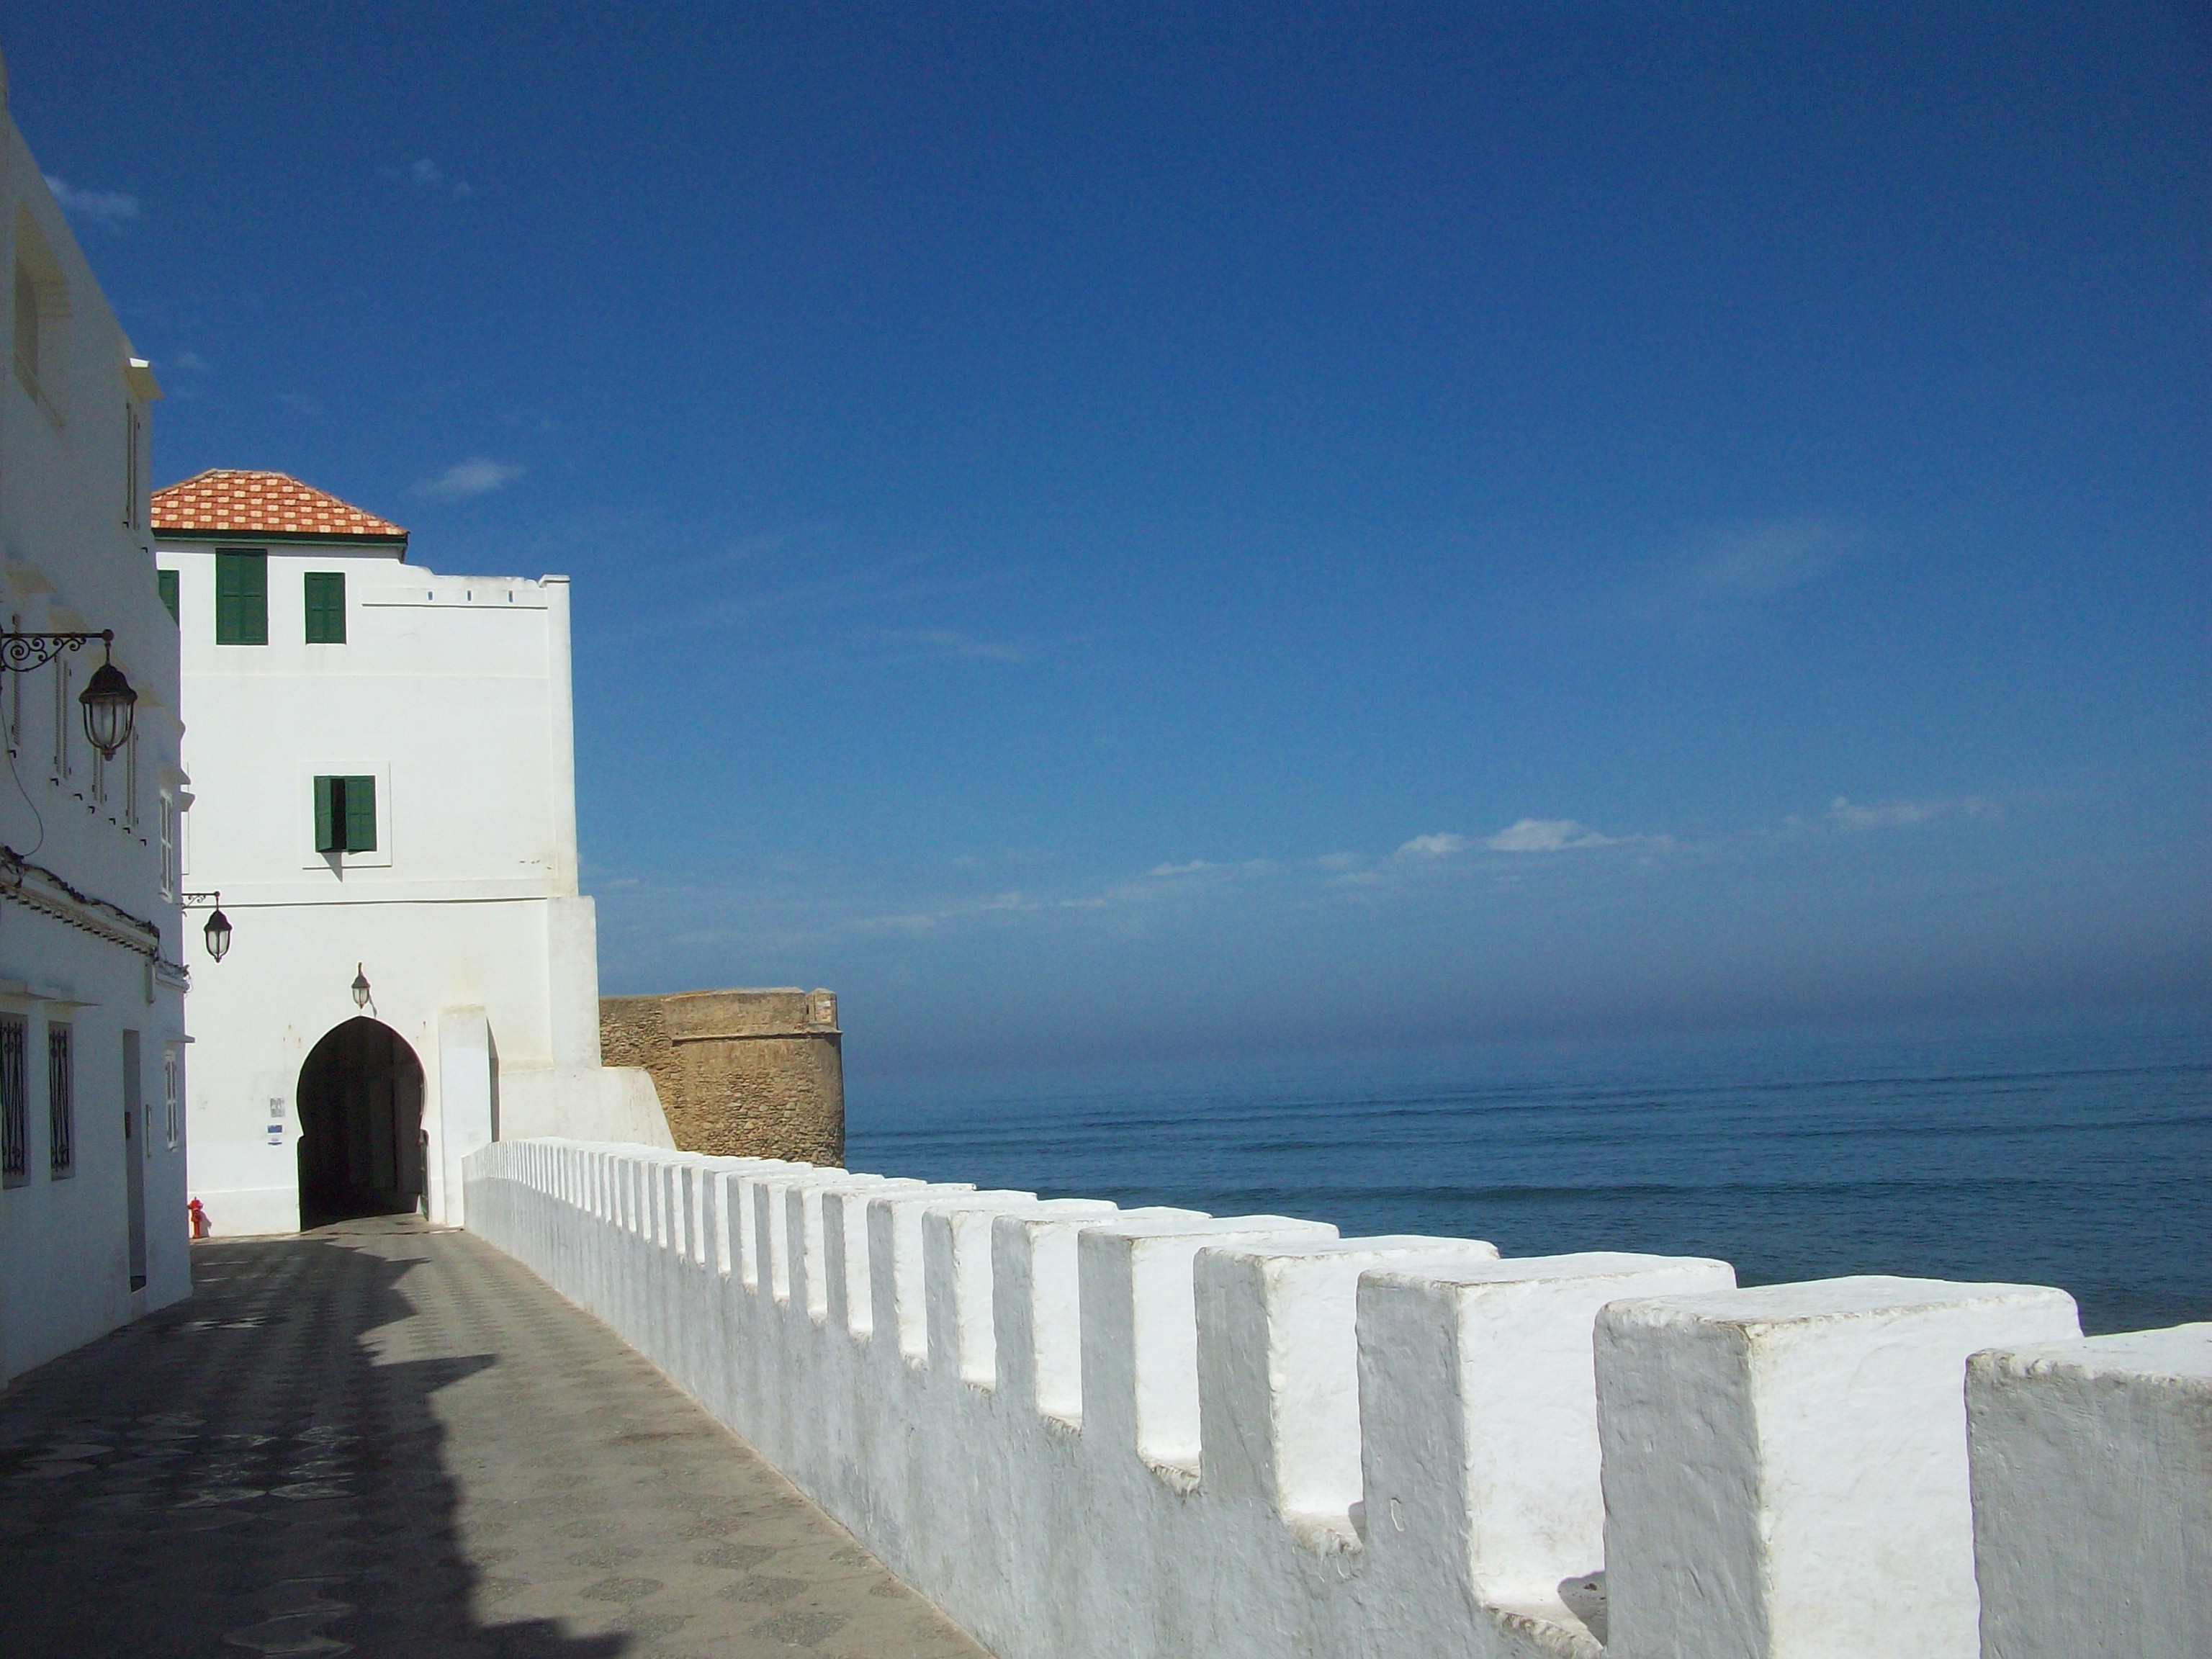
point(361, 1125)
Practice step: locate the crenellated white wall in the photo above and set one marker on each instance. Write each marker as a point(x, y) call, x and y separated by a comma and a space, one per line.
point(1145, 1434)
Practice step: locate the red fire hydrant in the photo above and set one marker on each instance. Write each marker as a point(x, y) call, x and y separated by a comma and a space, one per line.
point(198, 1214)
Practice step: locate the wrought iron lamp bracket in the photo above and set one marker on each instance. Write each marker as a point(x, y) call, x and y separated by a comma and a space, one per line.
point(21, 652)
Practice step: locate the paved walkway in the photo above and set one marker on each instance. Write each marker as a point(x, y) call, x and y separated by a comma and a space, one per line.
point(384, 1439)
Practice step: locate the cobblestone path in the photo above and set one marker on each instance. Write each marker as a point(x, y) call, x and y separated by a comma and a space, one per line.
point(383, 1439)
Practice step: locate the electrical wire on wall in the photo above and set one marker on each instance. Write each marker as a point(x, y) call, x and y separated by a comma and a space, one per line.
point(37, 816)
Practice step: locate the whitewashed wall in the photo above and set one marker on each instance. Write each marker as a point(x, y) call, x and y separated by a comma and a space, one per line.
point(1085, 1431)
point(78, 557)
point(2093, 1496)
point(453, 692)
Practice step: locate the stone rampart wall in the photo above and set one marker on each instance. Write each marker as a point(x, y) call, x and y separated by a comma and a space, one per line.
point(740, 1074)
point(1153, 1434)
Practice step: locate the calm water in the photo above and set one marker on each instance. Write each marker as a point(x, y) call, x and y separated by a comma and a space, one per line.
point(2077, 1154)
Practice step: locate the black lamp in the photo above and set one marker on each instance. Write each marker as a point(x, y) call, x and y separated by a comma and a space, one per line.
point(110, 704)
point(360, 986)
point(110, 707)
point(217, 931)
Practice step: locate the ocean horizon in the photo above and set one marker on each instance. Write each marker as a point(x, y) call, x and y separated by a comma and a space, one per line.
point(2071, 1150)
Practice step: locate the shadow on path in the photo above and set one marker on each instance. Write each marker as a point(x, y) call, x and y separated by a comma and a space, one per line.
point(236, 1473)
point(388, 1439)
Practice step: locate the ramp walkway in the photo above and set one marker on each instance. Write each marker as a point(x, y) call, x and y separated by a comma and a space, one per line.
point(388, 1439)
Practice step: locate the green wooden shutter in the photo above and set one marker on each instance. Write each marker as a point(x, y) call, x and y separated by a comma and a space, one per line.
point(360, 814)
point(241, 597)
point(166, 580)
point(330, 814)
point(326, 614)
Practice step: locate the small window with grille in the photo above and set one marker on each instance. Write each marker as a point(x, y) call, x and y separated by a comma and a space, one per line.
point(14, 1103)
point(61, 1102)
point(172, 877)
point(169, 1081)
point(64, 762)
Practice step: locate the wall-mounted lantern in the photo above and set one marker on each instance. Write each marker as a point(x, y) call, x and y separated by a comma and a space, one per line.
point(110, 705)
point(360, 986)
point(217, 931)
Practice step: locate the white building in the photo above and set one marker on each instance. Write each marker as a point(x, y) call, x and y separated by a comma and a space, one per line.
point(386, 776)
point(92, 1160)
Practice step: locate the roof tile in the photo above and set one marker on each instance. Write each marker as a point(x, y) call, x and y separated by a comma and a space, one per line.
point(233, 501)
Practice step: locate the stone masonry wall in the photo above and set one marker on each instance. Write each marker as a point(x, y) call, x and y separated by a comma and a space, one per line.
point(740, 1073)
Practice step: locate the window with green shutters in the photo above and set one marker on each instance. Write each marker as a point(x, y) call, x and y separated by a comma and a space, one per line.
point(241, 597)
point(326, 607)
point(345, 815)
point(166, 582)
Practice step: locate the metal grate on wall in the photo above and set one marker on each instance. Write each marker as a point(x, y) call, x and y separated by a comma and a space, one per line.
point(14, 1103)
point(61, 1105)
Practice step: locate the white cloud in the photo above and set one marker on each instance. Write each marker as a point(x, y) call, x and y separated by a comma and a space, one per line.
point(1546, 835)
point(1164, 882)
point(1759, 562)
point(1441, 845)
point(922, 921)
point(110, 210)
point(1723, 577)
point(428, 175)
point(477, 476)
point(1903, 814)
point(191, 362)
point(964, 647)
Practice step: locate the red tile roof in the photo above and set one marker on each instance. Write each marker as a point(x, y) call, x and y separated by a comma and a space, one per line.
point(228, 500)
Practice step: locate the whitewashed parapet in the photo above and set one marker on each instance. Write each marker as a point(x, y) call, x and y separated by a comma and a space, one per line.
point(1785, 1468)
point(1147, 1434)
point(2092, 1497)
point(1483, 1377)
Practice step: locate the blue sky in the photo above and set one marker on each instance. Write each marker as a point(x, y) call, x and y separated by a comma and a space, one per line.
point(1150, 530)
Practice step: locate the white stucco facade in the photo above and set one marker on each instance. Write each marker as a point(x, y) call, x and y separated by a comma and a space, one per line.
point(1094, 1433)
point(92, 1032)
point(449, 694)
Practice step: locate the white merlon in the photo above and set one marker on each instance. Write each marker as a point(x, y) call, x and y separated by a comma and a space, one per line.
point(957, 1268)
point(1037, 1316)
point(2093, 1496)
point(1811, 1498)
point(1481, 1442)
point(1278, 1365)
point(1148, 1434)
point(1140, 1330)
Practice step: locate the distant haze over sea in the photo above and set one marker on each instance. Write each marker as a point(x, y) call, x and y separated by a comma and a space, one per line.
point(2069, 1152)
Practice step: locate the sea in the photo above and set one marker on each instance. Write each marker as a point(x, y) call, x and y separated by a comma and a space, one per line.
point(2073, 1151)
